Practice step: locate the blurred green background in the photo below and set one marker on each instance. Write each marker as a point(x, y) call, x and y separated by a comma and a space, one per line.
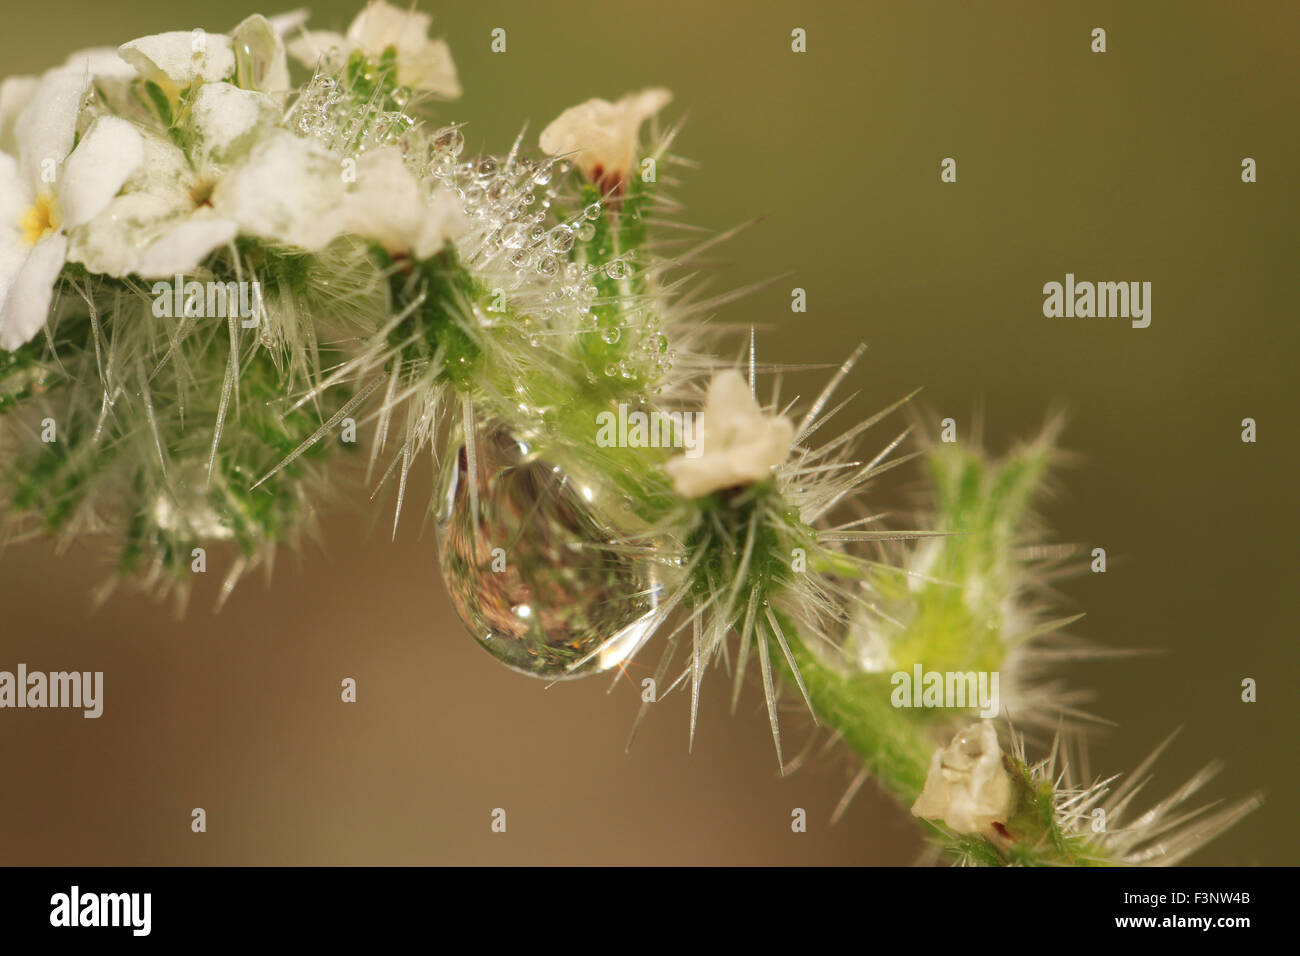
point(1116, 166)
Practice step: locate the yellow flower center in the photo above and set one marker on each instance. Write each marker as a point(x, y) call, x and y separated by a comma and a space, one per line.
point(40, 219)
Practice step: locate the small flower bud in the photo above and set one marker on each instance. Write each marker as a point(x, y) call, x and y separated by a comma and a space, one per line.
point(966, 786)
point(603, 135)
point(736, 443)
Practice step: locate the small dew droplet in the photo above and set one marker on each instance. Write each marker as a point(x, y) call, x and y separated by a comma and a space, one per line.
point(513, 236)
point(560, 239)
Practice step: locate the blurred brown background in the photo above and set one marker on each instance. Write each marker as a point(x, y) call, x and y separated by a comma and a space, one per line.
point(1120, 166)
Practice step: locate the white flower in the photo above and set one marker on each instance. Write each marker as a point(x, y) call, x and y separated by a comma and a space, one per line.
point(49, 189)
point(966, 786)
point(603, 134)
point(253, 57)
point(244, 176)
point(243, 173)
point(422, 63)
point(178, 60)
point(737, 443)
point(387, 204)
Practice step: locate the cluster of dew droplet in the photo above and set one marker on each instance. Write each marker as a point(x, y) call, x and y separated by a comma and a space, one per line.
point(519, 233)
point(521, 243)
point(525, 245)
point(329, 111)
point(523, 238)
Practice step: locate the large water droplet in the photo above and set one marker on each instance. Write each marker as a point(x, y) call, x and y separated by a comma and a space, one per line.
point(255, 46)
point(532, 578)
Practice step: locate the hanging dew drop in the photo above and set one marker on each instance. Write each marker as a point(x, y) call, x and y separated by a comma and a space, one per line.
point(255, 47)
point(531, 574)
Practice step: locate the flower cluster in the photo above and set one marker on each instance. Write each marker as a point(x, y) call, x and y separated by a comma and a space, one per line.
point(146, 163)
point(376, 252)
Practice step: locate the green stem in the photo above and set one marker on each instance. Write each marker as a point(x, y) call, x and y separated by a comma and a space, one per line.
point(893, 749)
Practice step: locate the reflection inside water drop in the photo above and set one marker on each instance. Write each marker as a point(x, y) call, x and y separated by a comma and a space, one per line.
point(532, 578)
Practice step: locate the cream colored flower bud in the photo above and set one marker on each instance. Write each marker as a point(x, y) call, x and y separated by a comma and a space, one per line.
point(967, 788)
point(603, 135)
point(734, 444)
point(423, 63)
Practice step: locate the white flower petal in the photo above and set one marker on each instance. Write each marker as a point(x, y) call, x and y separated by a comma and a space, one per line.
point(100, 61)
point(15, 199)
point(15, 195)
point(111, 151)
point(603, 134)
point(311, 45)
point(13, 253)
point(15, 93)
point(422, 63)
point(181, 250)
point(47, 126)
point(428, 66)
point(381, 25)
point(736, 443)
point(112, 242)
point(384, 202)
point(181, 58)
point(387, 204)
point(282, 23)
point(226, 117)
point(444, 221)
point(166, 170)
point(289, 189)
point(26, 305)
point(160, 193)
point(111, 77)
point(966, 785)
